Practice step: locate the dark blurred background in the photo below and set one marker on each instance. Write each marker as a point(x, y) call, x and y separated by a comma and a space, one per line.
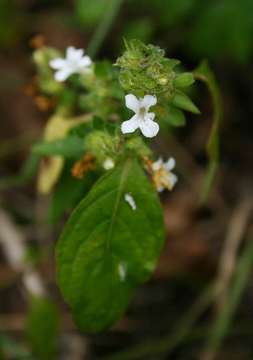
point(200, 237)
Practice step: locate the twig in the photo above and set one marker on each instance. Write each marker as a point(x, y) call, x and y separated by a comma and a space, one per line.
point(236, 231)
point(225, 317)
point(225, 301)
point(13, 244)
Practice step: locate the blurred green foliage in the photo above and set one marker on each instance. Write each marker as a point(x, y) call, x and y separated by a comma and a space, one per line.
point(224, 28)
point(10, 349)
point(172, 12)
point(8, 22)
point(213, 28)
point(89, 12)
point(42, 328)
point(216, 29)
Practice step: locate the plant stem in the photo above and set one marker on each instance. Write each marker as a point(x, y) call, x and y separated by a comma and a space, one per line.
point(104, 27)
point(205, 74)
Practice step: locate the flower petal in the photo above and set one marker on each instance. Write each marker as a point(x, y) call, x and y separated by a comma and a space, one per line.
point(149, 128)
point(173, 180)
point(160, 188)
point(170, 164)
point(62, 75)
point(148, 101)
point(57, 63)
point(131, 125)
point(73, 54)
point(85, 62)
point(157, 164)
point(150, 116)
point(132, 102)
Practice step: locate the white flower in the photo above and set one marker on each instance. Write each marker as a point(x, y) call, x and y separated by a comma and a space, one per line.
point(162, 175)
point(108, 164)
point(142, 118)
point(74, 63)
point(130, 200)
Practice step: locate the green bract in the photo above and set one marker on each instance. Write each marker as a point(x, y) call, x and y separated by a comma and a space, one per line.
point(107, 248)
point(46, 82)
point(102, 145)
point(144, 69)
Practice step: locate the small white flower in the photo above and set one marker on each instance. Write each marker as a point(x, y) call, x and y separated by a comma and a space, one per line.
point(130, 200)
point(108, 164)
point(74, 63)
point(142, 118)
point(162, 175)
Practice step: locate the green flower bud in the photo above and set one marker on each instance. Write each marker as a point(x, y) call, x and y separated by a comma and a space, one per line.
point(42, 56)
point(144, 69)
point(46, 80)
point(102, 145)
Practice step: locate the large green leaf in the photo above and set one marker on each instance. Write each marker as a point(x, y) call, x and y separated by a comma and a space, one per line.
point(107, 248)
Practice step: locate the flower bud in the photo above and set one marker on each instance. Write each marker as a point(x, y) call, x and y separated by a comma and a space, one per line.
point(144, 69)
point(46, 81)
point(101, 145)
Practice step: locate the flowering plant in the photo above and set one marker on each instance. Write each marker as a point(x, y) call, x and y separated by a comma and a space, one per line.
point(97, 154)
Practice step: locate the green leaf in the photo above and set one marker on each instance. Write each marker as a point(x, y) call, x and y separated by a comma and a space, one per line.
point(70, 146)
point(107, 248)
point(182, 101)
point(205, 74)
point(43, 328)
point(175, 117)
point(184, 80)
